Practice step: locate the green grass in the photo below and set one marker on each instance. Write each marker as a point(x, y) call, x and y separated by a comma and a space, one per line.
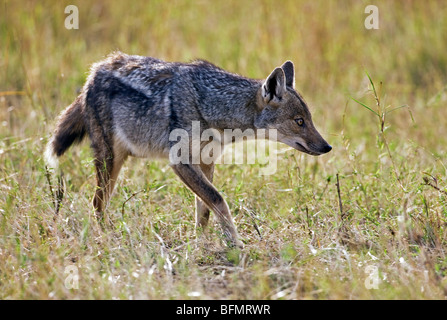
point(300, 243)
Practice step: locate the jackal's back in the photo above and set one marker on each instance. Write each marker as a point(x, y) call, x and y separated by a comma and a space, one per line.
point(132, 96)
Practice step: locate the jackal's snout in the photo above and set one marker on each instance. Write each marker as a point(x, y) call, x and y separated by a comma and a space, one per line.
point(312, 148)
point(324, 148)
point(327, 148)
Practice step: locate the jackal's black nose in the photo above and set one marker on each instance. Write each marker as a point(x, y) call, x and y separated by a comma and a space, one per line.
point(327, 148)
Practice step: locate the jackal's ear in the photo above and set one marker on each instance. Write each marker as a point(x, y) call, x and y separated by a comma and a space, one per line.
point(274, 86)
point(289, 71)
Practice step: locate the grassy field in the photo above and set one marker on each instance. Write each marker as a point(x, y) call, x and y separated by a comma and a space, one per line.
point(377, 232)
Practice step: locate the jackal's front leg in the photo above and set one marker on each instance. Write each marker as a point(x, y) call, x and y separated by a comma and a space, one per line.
point(202, 211)
point(195, 179)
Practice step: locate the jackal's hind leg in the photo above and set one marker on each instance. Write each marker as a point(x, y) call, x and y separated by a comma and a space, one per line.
point(108, 165)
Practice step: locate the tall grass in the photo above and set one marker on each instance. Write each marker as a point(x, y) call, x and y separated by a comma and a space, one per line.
point(300, 242)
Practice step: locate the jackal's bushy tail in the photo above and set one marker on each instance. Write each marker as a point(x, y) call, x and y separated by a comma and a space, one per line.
point(70, 129)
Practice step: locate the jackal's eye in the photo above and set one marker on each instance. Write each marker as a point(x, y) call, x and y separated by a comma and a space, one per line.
point(299, 122)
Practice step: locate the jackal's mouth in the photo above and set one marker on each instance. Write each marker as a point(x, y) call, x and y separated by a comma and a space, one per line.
point(301, 148)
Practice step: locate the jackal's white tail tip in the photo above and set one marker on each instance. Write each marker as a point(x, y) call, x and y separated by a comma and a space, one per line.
point(50, 157)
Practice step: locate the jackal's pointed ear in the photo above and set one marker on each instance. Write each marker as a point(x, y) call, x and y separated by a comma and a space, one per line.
point(289, 71)
point(274, 86)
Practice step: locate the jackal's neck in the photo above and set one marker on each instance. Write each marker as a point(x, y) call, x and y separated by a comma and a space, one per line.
point(234, 105)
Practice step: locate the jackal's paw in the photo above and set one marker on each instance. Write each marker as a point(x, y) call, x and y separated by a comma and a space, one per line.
point(236, 243)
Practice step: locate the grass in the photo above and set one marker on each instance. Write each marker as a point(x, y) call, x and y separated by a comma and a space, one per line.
point(313, 230)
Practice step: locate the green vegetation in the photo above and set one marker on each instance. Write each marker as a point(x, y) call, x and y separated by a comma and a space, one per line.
point(387, 166)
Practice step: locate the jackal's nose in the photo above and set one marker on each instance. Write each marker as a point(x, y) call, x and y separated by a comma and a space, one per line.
point(327, 148)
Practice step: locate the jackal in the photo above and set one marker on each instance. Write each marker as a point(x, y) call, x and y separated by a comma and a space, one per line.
point(130, 104)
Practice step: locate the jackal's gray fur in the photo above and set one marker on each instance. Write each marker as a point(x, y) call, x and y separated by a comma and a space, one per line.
point(130, 104)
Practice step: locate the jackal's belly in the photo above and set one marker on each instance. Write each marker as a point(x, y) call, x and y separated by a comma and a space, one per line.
point(149, 144)
point(142, 134)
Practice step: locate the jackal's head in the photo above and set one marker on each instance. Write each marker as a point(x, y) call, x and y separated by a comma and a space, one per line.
point(282, 108)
